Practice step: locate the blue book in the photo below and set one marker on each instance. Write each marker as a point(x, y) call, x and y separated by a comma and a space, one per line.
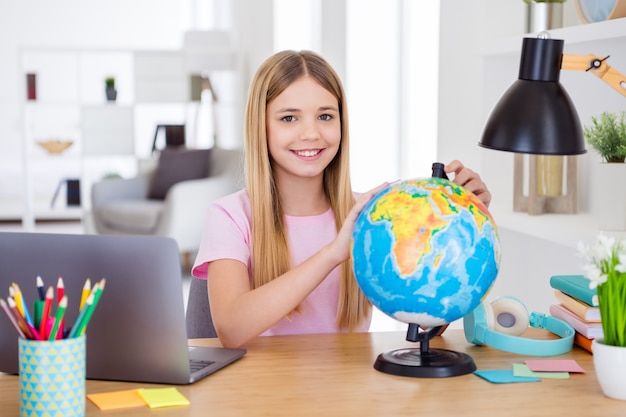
point(576, 286)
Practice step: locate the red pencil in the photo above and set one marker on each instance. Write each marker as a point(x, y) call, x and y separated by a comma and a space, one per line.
point(47, 304)
point(60, 290)
point(60, 294)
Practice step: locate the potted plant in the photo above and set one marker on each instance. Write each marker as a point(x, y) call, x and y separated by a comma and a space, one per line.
point(607, 135)
point(111, 92)
point(606, 269)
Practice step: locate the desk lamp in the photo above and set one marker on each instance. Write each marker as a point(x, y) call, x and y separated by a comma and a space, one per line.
point(536, 115)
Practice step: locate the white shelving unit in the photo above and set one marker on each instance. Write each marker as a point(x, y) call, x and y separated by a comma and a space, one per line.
point(71, 106)
point(108, 137)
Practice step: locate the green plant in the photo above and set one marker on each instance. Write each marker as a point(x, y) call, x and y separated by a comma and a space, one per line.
point(109, 82)
point(607, 135)
point(111, 176)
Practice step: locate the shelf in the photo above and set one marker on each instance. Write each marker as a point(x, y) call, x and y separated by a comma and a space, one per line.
point(610, 29)
point(12, 210)
point(564, 229)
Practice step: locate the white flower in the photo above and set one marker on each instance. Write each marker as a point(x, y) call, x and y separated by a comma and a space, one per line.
point(598, 258)
point(606, 269)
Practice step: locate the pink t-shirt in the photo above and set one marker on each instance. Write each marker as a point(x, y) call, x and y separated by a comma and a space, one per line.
point(227, 236)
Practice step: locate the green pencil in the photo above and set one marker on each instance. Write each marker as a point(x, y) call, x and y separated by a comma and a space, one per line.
point(58, 319)
point(81, 325)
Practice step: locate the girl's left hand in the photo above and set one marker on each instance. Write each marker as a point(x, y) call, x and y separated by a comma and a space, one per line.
point(470, 180)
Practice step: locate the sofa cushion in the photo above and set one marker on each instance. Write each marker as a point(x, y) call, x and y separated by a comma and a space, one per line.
point(132, 216)
point(176, 165)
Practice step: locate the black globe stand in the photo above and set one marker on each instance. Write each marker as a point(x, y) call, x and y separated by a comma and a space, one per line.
point(424, 362)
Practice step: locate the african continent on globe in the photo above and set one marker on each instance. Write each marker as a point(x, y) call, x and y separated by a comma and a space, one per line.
point(425, 251)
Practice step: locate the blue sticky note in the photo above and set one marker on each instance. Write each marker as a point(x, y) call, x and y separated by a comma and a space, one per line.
point(504, 376)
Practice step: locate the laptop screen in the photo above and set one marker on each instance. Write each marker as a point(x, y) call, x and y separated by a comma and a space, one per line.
point(137, 332)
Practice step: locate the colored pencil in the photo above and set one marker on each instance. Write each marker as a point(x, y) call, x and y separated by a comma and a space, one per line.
point(60, 289)
point(60, 295)
point(11, 317)
point(81, 316)
point(40, 288)
point(46, 312)
point(96, 293)
point(85, 293)
point(21, 305)
point(29, 331)
point(58, 320)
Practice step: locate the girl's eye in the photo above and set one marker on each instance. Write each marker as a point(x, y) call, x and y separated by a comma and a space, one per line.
point(288, 119)
point(326, 117)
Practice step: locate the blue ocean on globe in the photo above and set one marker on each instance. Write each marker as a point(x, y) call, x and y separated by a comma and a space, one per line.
point(425, 251)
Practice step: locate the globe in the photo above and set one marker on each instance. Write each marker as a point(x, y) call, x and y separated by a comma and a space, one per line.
point(425, 251)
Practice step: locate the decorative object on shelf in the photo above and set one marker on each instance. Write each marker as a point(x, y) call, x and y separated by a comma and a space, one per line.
point(111, 92)
point(591, 11)
point(607, 135)
point(72, 192)
point(174, 136)
point(31, 86)
point(543, 15)
point(606, 268)
point(536, 116)
point(55, 147)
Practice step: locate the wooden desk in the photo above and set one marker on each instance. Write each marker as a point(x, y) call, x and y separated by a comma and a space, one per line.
point(332, 375)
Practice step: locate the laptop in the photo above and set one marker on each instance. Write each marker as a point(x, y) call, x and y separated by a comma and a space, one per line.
point(137, 331)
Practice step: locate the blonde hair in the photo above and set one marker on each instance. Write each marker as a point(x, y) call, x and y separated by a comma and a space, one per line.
point(269, 241)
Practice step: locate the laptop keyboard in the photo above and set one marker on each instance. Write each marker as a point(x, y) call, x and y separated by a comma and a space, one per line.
point(196, 365)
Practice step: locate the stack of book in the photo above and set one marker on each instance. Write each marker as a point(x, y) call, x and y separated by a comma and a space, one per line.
point(578, 306)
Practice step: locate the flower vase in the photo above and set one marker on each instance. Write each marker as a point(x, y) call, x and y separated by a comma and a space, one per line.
point(610, 365)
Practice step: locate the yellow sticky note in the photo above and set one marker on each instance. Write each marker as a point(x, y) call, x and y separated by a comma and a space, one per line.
point(162, 397)
point(117, 399)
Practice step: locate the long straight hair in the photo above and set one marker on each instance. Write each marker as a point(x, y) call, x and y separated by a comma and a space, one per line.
point(269, 241)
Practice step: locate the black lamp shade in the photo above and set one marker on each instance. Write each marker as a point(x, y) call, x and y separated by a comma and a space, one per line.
point(536, 115)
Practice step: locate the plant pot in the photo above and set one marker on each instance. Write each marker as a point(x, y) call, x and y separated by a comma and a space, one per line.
point(607, 195)
point(111, 93)
point(610, 365)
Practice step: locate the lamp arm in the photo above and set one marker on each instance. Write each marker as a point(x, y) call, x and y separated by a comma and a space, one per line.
point(598, 66)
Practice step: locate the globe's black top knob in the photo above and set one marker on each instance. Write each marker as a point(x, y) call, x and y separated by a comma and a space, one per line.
point(438, 171)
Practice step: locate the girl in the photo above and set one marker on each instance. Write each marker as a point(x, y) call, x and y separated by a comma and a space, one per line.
point(276, 254)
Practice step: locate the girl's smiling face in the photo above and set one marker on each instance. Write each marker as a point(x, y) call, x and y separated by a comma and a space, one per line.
point(303, 130)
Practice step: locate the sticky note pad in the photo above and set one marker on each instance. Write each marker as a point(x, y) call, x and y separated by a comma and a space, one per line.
point(520, 369)
point(162, 397)
point(504, 376)
point(117, 399)
point(554, 365)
